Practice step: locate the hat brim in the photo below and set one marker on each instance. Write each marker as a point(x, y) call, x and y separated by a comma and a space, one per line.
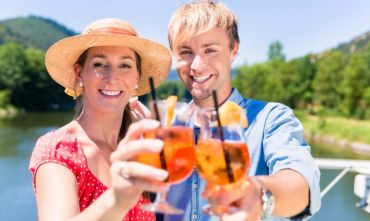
point(155, 59)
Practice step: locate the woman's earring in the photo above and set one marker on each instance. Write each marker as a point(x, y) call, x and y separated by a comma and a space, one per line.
point(81, 84)
point(136, 86)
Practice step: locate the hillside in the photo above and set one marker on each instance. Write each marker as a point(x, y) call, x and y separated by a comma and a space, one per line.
point(33, 31)
point(39, 32)
point(357, 44)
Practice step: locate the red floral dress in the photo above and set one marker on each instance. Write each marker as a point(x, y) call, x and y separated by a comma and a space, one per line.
point(63, 148)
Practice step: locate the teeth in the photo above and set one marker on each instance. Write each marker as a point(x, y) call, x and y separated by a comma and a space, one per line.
point(201, 79)
point(110, 93)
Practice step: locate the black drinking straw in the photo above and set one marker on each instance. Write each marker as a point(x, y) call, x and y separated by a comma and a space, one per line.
point(158, 118)
point(230, 174)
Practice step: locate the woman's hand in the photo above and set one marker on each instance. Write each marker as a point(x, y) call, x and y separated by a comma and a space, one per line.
point(130, 178)
point(138, 110)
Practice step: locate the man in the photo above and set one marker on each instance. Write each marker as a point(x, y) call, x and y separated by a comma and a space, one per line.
point(283, 180)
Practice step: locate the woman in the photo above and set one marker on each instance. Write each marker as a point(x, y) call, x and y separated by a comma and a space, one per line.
point(82, 171)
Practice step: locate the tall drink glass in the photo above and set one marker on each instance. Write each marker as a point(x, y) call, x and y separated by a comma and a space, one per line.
point(222, 156)
point(177, 156)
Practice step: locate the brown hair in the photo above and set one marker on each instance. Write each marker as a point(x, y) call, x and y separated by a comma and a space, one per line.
point(200, 16)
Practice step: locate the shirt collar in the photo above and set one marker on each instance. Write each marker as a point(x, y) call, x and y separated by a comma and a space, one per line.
point(234, 96)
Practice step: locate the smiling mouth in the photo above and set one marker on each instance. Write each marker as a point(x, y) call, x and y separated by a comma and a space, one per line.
point(201, 79)
point(110, 93)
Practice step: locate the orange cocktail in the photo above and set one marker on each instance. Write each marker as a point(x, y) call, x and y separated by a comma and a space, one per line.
point(222, 153)
point(178, 152)
point(177, 155)
point(211, 163)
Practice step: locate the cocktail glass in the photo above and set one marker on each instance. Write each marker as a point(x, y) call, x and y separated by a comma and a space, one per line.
point(222, 154)
point(177, 156)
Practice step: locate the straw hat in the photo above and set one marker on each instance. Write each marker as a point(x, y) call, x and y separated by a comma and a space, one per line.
point(61, 56)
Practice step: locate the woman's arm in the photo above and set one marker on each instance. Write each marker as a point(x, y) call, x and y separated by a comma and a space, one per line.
point(57, 198)
point(56, 185)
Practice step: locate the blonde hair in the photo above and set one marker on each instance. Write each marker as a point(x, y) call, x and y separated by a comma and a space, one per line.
point(198, 17)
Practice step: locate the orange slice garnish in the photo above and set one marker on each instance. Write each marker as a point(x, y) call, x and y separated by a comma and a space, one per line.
point(231, 114)
point(170, 109)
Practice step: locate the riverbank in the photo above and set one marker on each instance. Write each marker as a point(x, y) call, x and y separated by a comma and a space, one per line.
point(334, 151)
point(9, 112)
point(337, 132)
point(335, 136)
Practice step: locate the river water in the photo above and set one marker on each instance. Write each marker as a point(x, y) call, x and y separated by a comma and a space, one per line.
point(17, 202)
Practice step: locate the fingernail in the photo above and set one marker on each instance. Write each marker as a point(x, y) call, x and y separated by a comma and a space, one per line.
point(157, 145)
point(162, 175)
point(152, 123)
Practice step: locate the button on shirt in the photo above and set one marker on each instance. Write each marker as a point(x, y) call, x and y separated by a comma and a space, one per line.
point(275, 142)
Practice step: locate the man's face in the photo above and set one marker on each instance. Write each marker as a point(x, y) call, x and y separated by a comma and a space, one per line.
point(204, 63)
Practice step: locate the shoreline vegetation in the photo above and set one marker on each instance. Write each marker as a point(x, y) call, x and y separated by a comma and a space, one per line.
point(9, 112)
point(329, 136)
point(342, 136)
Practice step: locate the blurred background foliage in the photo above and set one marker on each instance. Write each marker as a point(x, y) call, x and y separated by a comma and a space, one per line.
point(334, 82)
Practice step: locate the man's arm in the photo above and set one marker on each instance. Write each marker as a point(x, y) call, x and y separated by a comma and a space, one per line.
point(286, 150)
point(290, 191)
point(293, 179)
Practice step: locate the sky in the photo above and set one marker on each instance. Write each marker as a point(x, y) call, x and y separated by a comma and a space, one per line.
point(302, 26)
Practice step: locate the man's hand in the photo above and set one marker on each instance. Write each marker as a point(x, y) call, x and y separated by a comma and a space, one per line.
point(242, 199)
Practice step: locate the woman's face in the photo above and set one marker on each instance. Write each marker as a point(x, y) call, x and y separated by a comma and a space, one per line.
point(109, 75)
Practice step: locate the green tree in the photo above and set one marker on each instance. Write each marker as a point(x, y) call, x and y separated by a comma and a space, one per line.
point(364, 105)
point(328, 80)
point(274, 88)
point(173, 88)
point(264, 81)
point(4, 98)
point(366, 102)
point(355, 80)
point(168, 88)
point(275, 51)
point(39, 91)
point(250, 80)
point(299, 91)
point(12, 66)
